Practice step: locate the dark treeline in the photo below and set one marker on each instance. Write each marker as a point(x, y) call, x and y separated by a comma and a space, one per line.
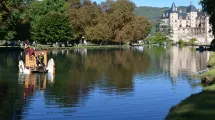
point(64, 20)
point(208, 6)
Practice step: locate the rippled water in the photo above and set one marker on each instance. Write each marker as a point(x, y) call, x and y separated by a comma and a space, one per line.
point(101, 84)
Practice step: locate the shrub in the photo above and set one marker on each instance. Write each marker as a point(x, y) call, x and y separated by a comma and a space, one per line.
point(192, 41)
point(181, 42)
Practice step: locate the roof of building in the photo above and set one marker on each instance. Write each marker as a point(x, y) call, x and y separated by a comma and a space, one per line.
point(173, 8)
point(183, 15)
point(191, 8)
point(201, 13)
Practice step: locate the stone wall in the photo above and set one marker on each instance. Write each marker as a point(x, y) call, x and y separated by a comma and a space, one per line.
point(202, 38)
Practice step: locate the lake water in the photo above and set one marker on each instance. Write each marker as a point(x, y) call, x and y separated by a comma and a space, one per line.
point(140, 83)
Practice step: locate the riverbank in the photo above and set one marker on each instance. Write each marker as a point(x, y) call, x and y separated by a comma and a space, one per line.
point(49, 47)
point(9, 48)
point(200, 106)
point(208, 77)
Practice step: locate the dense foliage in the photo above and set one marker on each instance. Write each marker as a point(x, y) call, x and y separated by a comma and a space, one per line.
point(111, 21)
point(192, 41)
point(52, 27)
point(59, 20)
point(12, 19)
point(208, 6)
point(160, 34)
point(49, 21)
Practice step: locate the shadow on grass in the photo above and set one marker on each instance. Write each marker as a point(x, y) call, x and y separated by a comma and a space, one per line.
point(200, 106)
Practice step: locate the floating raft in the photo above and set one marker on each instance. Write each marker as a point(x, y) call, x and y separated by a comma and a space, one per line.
point(31, 64)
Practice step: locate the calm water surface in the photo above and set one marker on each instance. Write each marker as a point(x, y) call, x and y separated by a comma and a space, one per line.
point(101, 84)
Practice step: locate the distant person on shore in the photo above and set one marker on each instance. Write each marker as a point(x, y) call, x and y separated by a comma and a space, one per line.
point(6, 43)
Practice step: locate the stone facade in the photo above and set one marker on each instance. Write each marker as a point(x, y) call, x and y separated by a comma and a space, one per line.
point(188, 24)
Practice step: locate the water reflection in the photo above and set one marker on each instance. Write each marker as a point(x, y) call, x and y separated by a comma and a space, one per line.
point(187, 60)
point(34, 82)
point(7, 61)
point(177, 61)
point(97, 83)
point(113, 70)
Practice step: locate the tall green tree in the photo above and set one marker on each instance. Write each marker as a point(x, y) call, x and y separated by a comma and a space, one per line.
point(49, 21)
point(208, 6)
point(52, 27)
point(40, 8)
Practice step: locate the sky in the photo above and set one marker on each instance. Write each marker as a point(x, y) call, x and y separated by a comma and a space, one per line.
point(162, 3)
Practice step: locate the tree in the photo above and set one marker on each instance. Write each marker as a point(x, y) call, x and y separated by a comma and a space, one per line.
point(12, 16)
point(100, 33)
point(165, 29)
point(193, 41)
point(40, 8)
point(85, 16)
point(111, 21)
point(44, 21)
point(74, 3)
point(157, 37)
point(208, 6)
point(119, 13)
point(136, 30)
point(181, 42)
point(52, 27)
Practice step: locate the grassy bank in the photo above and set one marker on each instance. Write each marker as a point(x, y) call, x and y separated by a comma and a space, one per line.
point(47, 47)
point(211, 62)
point(209, 76)
point(200, 106)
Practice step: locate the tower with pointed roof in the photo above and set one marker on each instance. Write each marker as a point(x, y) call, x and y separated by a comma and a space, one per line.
point(187, 24)
point(173, 18)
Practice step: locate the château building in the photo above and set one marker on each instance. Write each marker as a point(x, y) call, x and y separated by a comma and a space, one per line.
point(187, 24)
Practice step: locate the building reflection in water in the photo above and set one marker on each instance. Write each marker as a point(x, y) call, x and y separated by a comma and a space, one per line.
point(138, 48)
point(186, 59)
point(82, 52)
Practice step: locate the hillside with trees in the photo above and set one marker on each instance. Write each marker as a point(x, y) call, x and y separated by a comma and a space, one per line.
point(154, 13)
